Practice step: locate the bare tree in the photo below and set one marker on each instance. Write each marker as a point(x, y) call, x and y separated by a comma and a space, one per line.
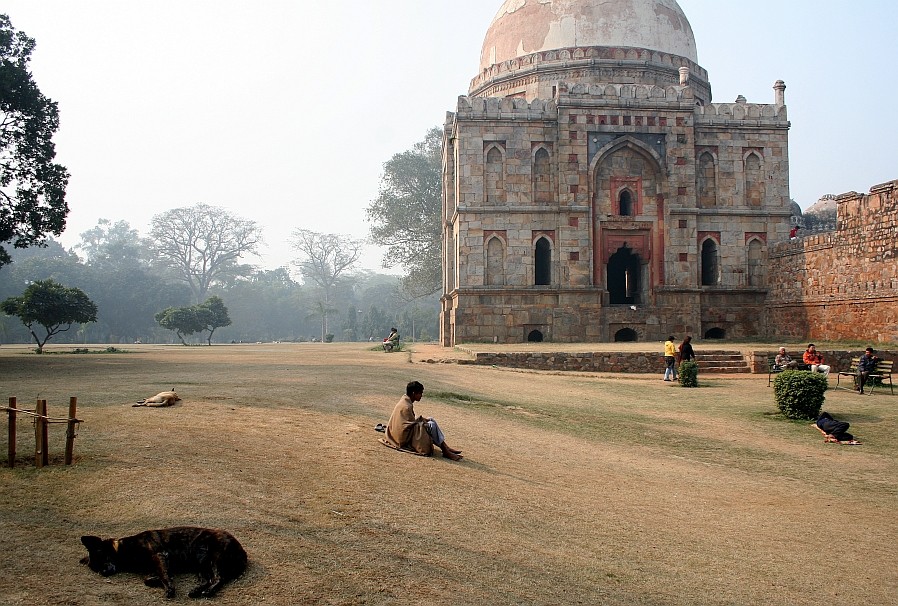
point(323, 259)
point(203, 245)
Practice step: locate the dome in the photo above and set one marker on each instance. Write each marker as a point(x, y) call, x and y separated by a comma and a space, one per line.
point(524, 27)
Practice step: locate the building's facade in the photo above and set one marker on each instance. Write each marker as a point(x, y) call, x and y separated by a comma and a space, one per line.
point(592, 191)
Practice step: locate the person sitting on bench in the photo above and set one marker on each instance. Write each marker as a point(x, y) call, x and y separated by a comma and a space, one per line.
point(815, 360)
point(865, 366)
point(392, 340)
point(785, 361)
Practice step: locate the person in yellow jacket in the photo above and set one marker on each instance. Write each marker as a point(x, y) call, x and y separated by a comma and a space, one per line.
point(670, 359)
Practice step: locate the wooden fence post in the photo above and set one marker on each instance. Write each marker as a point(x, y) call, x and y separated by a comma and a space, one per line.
point(41, 435)
point(12, 433)
point(70, 432)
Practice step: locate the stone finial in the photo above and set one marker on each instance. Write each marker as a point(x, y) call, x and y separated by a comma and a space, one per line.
point(684, 76)
point(741, 99)
point(780, 88)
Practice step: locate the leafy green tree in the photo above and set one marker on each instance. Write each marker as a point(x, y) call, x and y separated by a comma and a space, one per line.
point(203, 245)
point(406, 215)
point(216, 316)
point(32, 186)
point(185, 321)
point(52, 306)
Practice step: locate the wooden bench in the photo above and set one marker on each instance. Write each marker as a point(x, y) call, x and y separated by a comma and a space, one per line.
point(883, 372)
point(851, 372)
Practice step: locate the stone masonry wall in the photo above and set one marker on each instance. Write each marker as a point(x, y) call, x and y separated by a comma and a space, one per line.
point(841, 285)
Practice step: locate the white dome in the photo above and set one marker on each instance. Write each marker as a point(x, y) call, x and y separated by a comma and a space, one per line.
point(523, 27)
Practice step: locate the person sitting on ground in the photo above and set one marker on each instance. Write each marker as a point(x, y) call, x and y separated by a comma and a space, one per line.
point(392, 340)
point(406, 431)
point(785, 361)
point(815, 360)
point(865, 366)
point(834, 430)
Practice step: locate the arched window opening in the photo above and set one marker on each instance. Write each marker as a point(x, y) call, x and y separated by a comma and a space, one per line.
point(755, 273)
point(623, 277)
point(626, 335)
point(494, 177)
point(535, 336)
point(543, 262)
point(710, 263)
point(625, 203)
point(542, 176)
point(715, 333)
point(707, 181)
point(495, 263)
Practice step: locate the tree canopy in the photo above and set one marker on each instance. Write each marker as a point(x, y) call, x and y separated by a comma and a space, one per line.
point(52, 306)
point(186, 321)
point(324, 259)
point(406, 215)
point(32, 186)
point(203, 245)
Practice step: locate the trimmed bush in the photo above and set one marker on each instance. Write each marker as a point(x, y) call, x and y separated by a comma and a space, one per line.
point(688, 372)
point(799, 394)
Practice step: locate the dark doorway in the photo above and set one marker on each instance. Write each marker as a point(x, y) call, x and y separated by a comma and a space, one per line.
point(626, 204)
point(535, 336)
point(623, 277)
point(710, 263)
point(626, 335)
point(716, 333)
point(543, 262)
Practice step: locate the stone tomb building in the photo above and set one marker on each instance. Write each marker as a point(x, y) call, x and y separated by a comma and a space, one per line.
point(593, 192)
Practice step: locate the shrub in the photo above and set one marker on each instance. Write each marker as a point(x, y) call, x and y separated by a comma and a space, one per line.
point(328, 338)
point(799, 394)
point(688, 373)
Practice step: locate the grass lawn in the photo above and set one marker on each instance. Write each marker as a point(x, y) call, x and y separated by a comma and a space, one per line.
point(576, 488)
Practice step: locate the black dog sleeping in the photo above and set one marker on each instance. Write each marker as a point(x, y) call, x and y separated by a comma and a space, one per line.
point(215, 555)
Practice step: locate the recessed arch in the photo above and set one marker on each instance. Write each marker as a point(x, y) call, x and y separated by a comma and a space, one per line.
point(710, 254)
point(754, 180)
point(494, 175)
point(755, 266)
point(542, 175)
point(494, 263)
point(707, 180)
point(626, 335)
point(542, 261)
point(715, 333)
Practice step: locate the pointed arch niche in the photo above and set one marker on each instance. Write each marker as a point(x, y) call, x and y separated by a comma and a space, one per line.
point(494, 262)
point(706, 178)
point(754, 180)
point(494, 174)
point(755, 257)
point(542, 176)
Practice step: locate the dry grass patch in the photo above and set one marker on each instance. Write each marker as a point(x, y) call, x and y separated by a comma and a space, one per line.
point(576, 488)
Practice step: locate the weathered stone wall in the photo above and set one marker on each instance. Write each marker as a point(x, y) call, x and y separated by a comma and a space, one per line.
point(841, 285)
point(653, 362)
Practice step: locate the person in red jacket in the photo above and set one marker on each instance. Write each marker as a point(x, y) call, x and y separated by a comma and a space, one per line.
point(815, 360)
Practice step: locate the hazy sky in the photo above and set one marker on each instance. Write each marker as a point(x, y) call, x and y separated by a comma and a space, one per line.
point(284, 111)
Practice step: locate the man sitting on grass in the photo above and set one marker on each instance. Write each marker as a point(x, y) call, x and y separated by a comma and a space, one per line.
point(406, 431)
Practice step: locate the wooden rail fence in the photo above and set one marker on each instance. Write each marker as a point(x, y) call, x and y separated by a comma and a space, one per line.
point(42, 423)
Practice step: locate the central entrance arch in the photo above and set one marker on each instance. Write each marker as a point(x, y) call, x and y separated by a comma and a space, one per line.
point(624, 277)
